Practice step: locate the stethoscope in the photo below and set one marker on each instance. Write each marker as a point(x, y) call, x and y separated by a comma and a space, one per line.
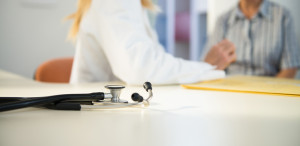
point(96, 100)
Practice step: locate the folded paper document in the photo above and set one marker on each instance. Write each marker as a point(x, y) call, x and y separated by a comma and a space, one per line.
point(251, 84)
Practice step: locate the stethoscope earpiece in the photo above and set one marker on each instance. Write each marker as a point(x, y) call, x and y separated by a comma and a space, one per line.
point(147, 86)
point(137, 97)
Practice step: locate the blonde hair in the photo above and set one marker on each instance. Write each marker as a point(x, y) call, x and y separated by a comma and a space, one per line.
point(82, 8)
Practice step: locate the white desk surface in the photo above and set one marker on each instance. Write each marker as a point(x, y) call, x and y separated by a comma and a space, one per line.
point(176, 117)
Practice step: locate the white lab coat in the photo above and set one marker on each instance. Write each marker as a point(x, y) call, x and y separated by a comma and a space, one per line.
point(117, 43)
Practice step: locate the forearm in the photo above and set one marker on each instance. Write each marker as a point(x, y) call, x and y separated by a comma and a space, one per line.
point(287, 73)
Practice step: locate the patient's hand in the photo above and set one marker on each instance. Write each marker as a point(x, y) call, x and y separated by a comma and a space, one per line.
point(221, 55)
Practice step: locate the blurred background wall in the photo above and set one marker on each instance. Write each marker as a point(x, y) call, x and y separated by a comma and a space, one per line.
point(33, 31)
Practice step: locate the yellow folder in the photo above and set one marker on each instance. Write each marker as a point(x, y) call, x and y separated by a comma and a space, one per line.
point(251, 84)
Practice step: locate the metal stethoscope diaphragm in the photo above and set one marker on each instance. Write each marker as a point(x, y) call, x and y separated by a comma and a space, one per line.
point(96, 100)
point(116, 102)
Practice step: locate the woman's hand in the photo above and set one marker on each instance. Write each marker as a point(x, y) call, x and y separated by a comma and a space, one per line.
point(221, 55)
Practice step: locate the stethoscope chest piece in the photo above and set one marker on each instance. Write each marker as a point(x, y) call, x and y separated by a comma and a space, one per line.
point(116, 102)
point(115, 91)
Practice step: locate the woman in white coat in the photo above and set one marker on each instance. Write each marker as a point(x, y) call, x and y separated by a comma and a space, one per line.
point(115, 42)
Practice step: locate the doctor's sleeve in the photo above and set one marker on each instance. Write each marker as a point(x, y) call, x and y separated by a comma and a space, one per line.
point(134, 56)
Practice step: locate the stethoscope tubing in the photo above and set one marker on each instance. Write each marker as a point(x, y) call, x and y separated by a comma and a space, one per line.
point(22, 102)
point(77, 101)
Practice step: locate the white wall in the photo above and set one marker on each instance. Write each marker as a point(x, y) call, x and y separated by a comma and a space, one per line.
point(214, 9)
point(33, 31)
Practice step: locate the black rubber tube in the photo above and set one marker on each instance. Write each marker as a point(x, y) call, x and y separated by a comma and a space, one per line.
point(46, 100)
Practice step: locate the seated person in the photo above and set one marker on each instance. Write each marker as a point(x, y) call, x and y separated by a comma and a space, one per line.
point(264, 37)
